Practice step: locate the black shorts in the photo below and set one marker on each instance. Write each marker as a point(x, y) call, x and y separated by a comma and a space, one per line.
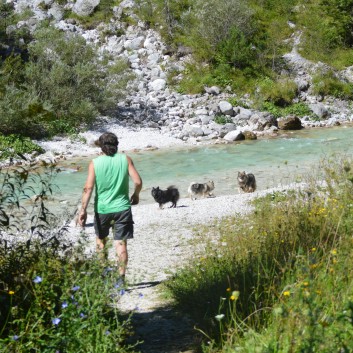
point(121, 223)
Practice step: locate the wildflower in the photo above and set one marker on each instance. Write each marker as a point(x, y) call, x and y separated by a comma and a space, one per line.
point(140, 295)
point(75, 288)
point(38, 279)
point(305, 284)
point(122, 292)
point(318, 292)
point(228, 289)
point(286, 293)
point(64, 305)
point(107, 332)
point(15, 337)
point(235, 294)
point(56, 321)
point(313, 249)
point(219, 317)
point(11, 292)
point(334, 252)
point(82, 315)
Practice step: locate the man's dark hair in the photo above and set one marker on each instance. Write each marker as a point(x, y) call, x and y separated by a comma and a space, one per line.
point(108, 142)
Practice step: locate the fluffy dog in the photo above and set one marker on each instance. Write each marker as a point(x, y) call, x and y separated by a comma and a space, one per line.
point(196, 189)
point(164, 196)
point(247, 182)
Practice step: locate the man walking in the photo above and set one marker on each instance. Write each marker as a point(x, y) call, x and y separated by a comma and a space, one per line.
point(110, 173)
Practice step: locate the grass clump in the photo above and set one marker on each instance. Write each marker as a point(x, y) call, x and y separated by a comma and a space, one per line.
point(329, 85)
point(298, 109)
point(280, 279)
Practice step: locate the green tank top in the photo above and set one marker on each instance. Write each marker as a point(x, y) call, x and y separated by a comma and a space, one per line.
point(112, 184)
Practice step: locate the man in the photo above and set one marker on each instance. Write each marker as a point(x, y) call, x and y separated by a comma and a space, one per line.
point(110, 173)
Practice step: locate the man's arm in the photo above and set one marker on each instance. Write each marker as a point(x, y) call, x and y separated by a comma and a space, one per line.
point(86, 196)
point(135, 176)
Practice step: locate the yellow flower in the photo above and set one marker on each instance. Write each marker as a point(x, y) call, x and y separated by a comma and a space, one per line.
point(11, 292)
point(228, 289)
point(232, 297)
point(305, 284)
point(235, 294)
point(334, 252)
point(313, 249)
point(334, 261)
point(286, 293)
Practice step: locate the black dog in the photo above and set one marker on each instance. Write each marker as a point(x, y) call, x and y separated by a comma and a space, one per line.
point(164, 196)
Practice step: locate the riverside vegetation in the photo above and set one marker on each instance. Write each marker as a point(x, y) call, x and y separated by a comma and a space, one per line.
point(52, 82)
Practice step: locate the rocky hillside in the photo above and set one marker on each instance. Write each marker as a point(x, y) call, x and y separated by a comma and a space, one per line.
point(153, 103)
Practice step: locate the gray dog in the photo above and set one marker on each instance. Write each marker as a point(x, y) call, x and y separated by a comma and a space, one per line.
point(197, 189)
point(247, 182)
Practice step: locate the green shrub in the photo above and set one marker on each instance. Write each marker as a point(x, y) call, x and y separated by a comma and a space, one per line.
point(62, 88)
point(329, 85)
point(298, 109)
point(221, 119)
point(281, 92)
point(12, 145)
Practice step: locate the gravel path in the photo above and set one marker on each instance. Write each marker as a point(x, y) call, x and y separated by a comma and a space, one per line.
point(162, 242)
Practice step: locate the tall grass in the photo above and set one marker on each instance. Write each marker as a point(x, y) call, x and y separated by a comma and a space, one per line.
point(278, 280)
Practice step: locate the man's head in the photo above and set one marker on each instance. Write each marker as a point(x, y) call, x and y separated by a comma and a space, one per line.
point(108, 142)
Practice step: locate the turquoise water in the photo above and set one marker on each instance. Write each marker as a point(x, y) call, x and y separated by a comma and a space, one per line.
point(274, 162)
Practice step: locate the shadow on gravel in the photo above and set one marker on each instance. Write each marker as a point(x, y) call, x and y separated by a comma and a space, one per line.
point(164, 331)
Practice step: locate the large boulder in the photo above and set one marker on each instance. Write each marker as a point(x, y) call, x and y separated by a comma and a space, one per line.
point(291, 122)
point(235, 135)
point(85, 7)
point(320, 110)
point(262, 121)
point(225, 108)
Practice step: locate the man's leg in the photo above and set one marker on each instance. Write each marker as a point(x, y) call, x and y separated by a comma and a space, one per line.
point(121, 252)
point(101, 248)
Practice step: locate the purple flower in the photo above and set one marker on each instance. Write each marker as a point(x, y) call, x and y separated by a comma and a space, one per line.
point(76, 288)
point(64, 305)
point(107, 332)
point(82, 315)
point(56, 321)
point(122, 292)
point(140, 295)
point(15, 337)
point(38, 279)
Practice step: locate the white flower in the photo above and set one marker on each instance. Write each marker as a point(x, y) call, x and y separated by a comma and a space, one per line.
point(219, 317)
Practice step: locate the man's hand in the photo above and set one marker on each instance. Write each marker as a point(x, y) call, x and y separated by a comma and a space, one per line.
point(135, 199)
point(82, 217)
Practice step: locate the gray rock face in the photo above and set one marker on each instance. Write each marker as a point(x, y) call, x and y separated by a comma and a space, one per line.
point(320, 110)
point(85, 7)
point(235, 135)
point(226, 108)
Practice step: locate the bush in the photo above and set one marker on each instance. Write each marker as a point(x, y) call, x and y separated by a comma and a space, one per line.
point(63, 87)
point(13, 145)
point(280, 93)
point(329, 85)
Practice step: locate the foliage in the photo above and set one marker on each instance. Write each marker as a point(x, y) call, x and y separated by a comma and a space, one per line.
point(327, 84)
point(221, 119)
point(12, 145)
point(284, 271)
point(280, 92)
point(298, 109)
point(61, 88)
point(48, 286)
